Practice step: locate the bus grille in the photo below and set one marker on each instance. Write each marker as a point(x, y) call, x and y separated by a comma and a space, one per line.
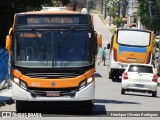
point(53, 75)
point(42, 92)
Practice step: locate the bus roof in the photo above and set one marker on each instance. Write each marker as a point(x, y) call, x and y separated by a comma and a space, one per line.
point(49, 12)
point(132, 29)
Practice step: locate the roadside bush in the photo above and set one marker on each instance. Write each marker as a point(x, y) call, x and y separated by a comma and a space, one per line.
point(118, 22)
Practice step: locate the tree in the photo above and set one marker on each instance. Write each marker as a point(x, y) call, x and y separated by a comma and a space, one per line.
point(9, 7)
point(112, 6)
point(149, 13)
point(124, 4)
point(6, 10)
point(65, 2)
point(55, 3)
point(118, 21)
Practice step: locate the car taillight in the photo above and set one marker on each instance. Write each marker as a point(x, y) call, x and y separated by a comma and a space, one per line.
point(125, 76)
point(148, 58)
point(115, 54)
point(155, 78)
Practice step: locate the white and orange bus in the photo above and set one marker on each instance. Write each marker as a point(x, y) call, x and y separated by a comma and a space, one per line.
point(53, 57)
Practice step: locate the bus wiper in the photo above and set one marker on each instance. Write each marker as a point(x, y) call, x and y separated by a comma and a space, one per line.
point(66, 36)
point(43, 48)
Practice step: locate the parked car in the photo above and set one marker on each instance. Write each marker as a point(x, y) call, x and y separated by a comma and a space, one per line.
point(140, 78)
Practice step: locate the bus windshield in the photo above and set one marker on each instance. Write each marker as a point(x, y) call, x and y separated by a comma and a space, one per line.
point(133, 38)
point(52, 49)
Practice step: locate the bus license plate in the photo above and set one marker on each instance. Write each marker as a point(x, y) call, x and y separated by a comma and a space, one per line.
point(139, 85)
point(52, 94)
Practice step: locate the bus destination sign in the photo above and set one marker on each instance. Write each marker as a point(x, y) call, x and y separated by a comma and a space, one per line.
point(52, 20)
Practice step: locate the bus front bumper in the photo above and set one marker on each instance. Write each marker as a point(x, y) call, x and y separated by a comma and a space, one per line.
point(87, 93)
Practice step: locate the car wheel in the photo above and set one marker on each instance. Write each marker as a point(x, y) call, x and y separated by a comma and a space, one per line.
point(86, 106)
point(90, 105)
point(154, 94)
point(122, 91)
point(111, 76)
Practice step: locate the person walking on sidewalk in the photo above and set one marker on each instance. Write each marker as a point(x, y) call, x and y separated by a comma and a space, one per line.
point(103, 54)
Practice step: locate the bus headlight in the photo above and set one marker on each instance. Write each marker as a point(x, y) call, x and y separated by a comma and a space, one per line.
point(23, 85)
point(89, 80)
point(20, 83)
point(84, 83)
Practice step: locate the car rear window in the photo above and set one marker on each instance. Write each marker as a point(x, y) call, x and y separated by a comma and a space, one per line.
point(142, 69)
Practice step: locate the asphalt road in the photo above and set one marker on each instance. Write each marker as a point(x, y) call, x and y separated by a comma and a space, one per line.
point(108, 96)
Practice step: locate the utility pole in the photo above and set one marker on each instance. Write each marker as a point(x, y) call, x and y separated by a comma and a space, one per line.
point(105, 10)
point(102, 8)
point(74, 5)
point(150, 14)
point(119, 7)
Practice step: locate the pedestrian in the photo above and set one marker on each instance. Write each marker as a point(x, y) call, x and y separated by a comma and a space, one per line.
point(103, 54)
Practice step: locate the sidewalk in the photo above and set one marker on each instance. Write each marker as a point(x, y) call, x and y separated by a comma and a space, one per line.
point(6, 97)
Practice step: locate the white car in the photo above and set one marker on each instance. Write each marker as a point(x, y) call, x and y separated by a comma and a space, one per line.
point(140, 78)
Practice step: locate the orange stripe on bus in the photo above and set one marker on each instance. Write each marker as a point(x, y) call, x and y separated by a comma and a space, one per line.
point(16, 73)
point(59, 83)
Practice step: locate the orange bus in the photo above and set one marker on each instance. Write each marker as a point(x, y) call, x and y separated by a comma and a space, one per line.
point(53, 56)
point(129, 46)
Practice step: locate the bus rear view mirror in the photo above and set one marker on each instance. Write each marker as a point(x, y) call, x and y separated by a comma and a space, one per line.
point(8, 42)
point(99, 39)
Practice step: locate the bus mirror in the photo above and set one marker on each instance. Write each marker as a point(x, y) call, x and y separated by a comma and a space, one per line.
point(108, 46)
point(99, 39)
point(8, 42)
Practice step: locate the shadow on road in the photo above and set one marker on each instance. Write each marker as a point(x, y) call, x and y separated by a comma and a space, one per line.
point(49, 109)
point(143, 95)
point(114, 101)
point(116, 80)
point(97, 75)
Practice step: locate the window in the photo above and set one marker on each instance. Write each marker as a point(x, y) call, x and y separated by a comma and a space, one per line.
point(140, 69)
point(133, 38)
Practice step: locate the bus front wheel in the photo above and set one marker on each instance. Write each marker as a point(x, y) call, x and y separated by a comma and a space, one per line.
point(86, 106)
point(21, 106)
